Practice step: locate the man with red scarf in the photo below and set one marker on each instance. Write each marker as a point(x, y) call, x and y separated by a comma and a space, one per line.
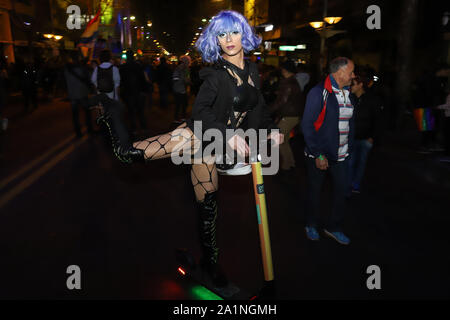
point(328, 128)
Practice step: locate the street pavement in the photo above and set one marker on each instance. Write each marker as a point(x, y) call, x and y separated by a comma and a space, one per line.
point(66, 201)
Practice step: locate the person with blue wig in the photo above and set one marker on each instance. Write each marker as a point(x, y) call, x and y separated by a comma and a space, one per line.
point(230, 93)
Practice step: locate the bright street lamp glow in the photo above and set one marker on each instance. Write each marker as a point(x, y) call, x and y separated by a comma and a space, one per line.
point(268, 28)
point(316, 24)
point(332, 20)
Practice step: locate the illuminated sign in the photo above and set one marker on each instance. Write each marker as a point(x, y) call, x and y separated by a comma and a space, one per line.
point(292, 48)
point(287, 48)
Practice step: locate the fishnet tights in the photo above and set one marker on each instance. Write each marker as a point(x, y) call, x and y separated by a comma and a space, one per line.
point(163, 146)
point(204, 178)
point(204, 175)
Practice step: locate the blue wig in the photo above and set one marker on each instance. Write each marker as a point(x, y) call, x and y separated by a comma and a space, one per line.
point(225, 21)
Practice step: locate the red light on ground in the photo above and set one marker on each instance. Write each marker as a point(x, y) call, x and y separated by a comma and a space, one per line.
point(180, 270)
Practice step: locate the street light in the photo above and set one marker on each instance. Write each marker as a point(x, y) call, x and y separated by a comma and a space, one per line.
point(316, 24)
point(268, 28)
point(332, 20)
point(323, 28)
point(149, 23)
point(52, 36)
point(132, 18)
point(329, 20)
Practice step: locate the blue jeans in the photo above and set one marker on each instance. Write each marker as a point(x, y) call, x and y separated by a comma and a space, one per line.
point(357, 162)
point(315, 176)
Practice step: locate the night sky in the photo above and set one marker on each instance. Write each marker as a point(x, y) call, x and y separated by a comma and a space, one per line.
point(178, 18)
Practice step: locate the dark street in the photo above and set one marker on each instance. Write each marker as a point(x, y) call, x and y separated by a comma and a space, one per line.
point(67, 201)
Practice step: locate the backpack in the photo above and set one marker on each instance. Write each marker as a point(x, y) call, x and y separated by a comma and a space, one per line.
point(105, 82)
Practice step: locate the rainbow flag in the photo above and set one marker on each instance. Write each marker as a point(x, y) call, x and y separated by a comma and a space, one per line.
point(90, 34)
point(424, 119)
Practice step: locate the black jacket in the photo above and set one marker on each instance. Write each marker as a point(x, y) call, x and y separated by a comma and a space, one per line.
point(132, 79)
point(290, 101)
point(163, 75)
point(213, 103)
point(368, 112)
point(77, 81)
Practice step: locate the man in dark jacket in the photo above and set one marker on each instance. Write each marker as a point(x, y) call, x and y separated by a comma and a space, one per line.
point(78, 82)
point(180, 78)
point(29, 85)
point(328, 130)
point(287, 109)
point(133, 85)
point(164, 75)
point(368, 112)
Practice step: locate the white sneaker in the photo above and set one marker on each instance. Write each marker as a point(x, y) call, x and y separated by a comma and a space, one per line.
point(238, 169)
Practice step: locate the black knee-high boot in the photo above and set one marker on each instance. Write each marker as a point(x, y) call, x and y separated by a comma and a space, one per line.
point(115, 129)
point(208, 217)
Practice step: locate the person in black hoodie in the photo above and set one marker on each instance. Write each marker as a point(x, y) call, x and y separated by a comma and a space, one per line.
point(228, 97)
point(78, 88)
point(368, 113)
point(164, 75)
point(29, 85)
point(133, 84)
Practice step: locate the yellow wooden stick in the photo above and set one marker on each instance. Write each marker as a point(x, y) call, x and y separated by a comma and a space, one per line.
point(263, 224)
